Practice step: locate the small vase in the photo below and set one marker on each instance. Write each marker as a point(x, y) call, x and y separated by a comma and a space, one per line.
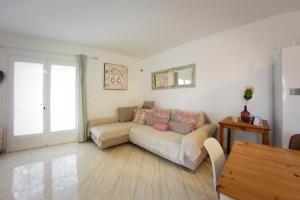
point(245, 115)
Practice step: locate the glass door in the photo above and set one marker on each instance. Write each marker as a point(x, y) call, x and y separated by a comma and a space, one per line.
point(28, 104)
point(43, 110)
point(62, 102)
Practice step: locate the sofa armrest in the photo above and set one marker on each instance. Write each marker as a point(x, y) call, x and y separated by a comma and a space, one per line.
point(209, 128)
point(192, 143)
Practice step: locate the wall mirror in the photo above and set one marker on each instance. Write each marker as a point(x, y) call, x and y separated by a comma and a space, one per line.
point(178, 77)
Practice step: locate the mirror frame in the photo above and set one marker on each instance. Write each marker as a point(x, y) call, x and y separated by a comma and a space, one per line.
point(193, 84)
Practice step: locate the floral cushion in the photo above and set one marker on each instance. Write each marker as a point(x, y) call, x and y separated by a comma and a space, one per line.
point(161, 113)
point(186, 117)
point(141, 115)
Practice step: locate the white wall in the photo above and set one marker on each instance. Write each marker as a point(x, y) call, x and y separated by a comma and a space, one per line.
point(100, 102)
point(225, 64)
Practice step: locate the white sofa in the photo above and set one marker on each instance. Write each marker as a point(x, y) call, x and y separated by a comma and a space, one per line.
point(186, 150)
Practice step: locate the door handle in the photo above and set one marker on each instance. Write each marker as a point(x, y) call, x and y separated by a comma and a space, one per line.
point(44, 107)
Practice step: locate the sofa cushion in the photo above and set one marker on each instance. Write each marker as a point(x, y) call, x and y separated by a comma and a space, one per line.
point(185, 117)
point(166, 145)
point(148, 104)
point(141, 115)
point(160, 113)
point(161, 127)
point(111, 134)
point(183, 128)
point(200, 121)
point(151, 121)
point(126, 114)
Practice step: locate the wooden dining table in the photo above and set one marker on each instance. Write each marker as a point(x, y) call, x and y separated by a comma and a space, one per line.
point(255, 171)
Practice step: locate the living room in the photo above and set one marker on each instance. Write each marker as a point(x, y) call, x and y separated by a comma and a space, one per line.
point(227, 47)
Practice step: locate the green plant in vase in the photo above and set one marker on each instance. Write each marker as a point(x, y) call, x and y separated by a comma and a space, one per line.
point(248, 93)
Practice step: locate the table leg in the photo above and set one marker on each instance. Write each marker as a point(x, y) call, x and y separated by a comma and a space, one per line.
point(228, 140)
point(265, 138)
point(221, 135)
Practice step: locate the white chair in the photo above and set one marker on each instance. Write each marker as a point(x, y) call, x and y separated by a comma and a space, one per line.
point(217, 158)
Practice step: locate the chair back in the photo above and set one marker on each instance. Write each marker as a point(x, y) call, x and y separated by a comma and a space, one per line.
point(295, 142)
point(217, 157)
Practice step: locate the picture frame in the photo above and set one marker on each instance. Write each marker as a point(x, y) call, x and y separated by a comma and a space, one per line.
point(115, 77)
point(257, 120)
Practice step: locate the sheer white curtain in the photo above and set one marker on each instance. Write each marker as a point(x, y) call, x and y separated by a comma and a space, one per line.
point(81, 93)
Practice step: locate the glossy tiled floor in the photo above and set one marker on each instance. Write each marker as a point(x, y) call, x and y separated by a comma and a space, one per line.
point(82, 171)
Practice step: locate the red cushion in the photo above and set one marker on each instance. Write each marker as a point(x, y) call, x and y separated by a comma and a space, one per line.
point(161, 126)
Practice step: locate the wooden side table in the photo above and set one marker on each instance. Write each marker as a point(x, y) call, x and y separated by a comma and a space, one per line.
point(227, 122)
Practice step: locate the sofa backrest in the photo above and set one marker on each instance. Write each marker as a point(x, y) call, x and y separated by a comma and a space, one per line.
point(200, 122)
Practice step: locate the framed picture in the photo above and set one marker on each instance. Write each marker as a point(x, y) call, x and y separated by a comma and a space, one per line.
point(257, 120)
point(115, 77)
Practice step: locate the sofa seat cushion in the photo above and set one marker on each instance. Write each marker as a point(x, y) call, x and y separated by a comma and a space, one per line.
point(163, 143)
point(108, 135)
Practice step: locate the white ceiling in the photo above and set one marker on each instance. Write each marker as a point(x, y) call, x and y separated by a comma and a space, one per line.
point(137, 28)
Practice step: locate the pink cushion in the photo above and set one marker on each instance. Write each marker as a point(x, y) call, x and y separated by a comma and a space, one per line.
point(186, 117)
point(161, 127)
point(151, 121)
point(161, 113)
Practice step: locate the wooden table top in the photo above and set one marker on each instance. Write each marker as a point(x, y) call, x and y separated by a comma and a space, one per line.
point(255, 171)
point(240, 123)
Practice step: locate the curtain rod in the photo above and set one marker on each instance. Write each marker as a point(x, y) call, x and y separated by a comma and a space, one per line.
point(39, 51)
